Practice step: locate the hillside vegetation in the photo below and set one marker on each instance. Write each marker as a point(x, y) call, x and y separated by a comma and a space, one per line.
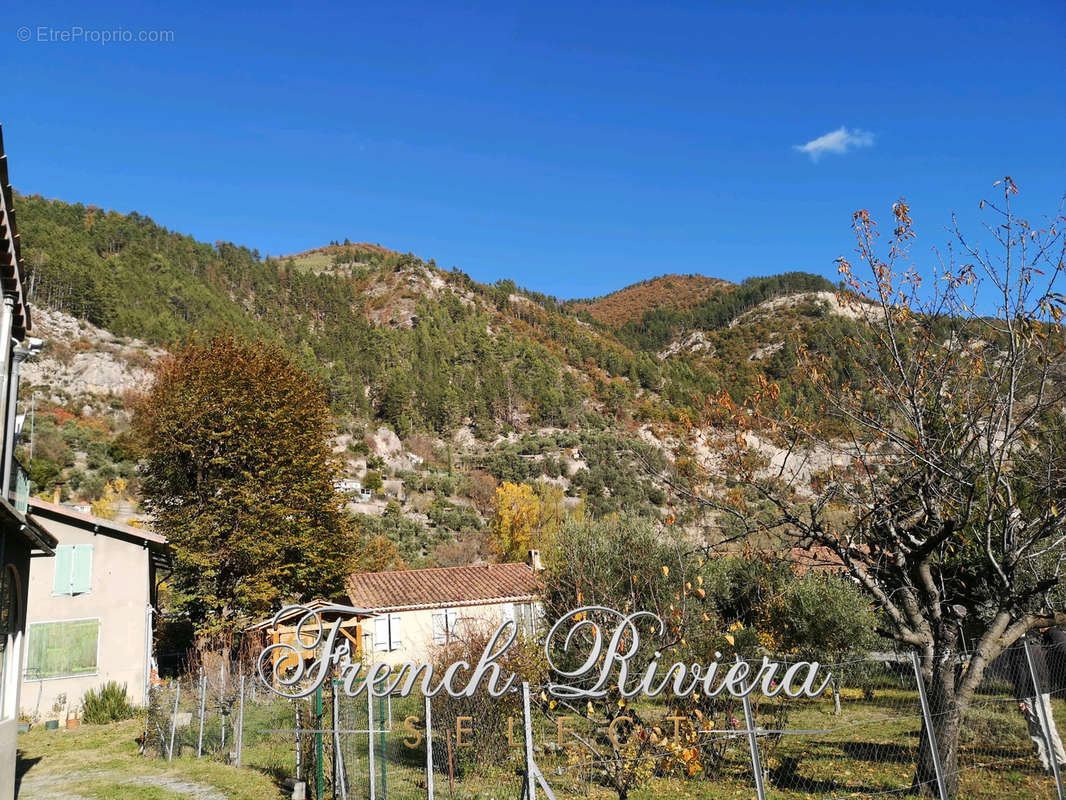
point(497, 383)
point(677, 292)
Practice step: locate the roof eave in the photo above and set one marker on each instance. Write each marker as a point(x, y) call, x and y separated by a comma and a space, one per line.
point(31, 529)
point(392, 609)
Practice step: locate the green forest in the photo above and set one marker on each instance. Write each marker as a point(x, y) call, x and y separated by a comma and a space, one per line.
point(546, 390)
point(494, 354)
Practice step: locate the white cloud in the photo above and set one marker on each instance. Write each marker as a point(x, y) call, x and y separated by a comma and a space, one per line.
point(839, 141)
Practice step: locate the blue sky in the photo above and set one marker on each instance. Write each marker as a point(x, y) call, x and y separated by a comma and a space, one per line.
point(573, 147)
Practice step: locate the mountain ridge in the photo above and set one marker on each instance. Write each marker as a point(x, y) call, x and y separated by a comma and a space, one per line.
point(516, 385)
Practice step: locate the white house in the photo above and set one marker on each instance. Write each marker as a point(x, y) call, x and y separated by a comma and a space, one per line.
point(416, 609)
point(90, 609)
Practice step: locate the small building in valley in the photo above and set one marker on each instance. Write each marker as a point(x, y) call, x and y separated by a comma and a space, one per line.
point(348, 485)
point(416, 610)
point(91, 610)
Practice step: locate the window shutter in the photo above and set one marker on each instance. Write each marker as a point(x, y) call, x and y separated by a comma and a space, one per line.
point(381, 633)
point(453, 618)
point(81, 573)
point(440, 627)
point(395, 638)
point(63, 560)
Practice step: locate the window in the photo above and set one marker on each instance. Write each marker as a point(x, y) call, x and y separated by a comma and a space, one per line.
point(387, 633)
point(63, 649)
point(444, 623)
point(73, 569)
point(521, 615)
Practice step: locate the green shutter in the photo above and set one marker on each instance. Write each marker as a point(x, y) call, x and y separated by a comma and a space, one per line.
point(81, 574)
point(63, 559)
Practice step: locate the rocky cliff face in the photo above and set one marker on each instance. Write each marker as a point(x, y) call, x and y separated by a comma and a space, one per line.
point(83, 364)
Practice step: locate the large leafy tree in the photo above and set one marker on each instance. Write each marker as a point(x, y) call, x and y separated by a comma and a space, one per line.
point(238, 475)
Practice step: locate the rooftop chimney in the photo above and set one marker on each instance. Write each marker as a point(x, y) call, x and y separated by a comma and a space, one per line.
point(534, 561)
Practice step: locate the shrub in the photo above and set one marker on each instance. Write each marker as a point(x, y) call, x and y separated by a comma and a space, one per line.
point(108, 704)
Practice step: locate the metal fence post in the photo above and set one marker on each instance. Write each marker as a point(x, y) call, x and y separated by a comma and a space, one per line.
point(531, 782)
point(222, 701)
point(299, 740)
point(240, 722)
point(174, 722)
point(753, 744)
point(340, 776)
point(370, 738)
point(928, 717)
point(147, 720)
point(429, 748)
point(318, 743)
point(1042, 715)
point(203, 701)
point(384, 749)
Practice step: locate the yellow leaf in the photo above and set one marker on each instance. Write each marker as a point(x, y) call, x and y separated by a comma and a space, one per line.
point(729, 638)
point(666, 571)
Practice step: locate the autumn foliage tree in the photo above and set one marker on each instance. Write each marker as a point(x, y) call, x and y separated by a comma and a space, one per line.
point(525, 518)
point(238, 475)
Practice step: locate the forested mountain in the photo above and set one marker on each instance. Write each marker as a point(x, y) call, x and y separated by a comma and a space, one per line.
point(422, 351)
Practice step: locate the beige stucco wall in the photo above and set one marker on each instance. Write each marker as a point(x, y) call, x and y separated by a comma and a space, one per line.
point(417, 631)
point(119, 595)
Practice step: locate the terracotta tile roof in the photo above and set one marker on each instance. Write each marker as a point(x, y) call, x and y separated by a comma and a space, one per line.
point(446, 586)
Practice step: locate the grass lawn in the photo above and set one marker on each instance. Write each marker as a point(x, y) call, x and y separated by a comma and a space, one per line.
point(867, 751)
point(98, 762)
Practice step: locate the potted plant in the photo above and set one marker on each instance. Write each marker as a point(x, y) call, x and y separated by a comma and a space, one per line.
point(57, 709)
point(25, 722)
point(73, 720)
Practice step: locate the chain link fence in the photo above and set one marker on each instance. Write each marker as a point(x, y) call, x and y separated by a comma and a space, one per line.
point(862, 737)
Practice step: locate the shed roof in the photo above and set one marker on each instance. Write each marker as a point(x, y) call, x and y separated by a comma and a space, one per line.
point(442, 586)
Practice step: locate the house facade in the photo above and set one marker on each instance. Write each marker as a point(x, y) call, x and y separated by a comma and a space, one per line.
point(417, 610)
point(91, 610)
point(21, 538)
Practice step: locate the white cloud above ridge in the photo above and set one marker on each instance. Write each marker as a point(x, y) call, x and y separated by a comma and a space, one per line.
point(839, 142)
